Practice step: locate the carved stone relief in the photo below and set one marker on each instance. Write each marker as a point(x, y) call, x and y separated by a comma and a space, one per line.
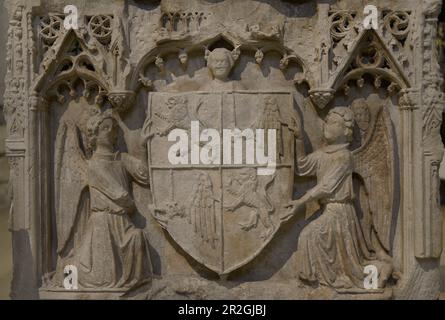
point(225, 149)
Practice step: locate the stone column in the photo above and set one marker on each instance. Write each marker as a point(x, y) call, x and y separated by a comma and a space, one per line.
point(408, 106)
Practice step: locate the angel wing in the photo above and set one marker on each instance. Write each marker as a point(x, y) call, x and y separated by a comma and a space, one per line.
point(373, 162)
point(70, 184)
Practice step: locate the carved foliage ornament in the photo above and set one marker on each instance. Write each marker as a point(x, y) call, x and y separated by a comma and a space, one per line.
point(14, 99)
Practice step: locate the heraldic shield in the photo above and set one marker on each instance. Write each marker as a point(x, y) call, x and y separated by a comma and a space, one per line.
point(220, 209)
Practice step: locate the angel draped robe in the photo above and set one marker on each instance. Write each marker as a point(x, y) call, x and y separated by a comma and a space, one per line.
point(331, 248)
point(113, 252)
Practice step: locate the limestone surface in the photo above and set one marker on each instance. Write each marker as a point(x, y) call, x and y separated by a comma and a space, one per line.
point(207, 149)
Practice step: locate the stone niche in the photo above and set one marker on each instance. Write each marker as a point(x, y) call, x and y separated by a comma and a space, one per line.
point(106, 204)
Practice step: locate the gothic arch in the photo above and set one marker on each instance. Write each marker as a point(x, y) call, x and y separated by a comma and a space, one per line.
point(156, 54)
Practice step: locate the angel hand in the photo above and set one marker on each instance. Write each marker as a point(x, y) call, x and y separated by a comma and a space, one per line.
point(292, 208)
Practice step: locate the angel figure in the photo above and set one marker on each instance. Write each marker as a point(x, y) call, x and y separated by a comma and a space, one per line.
point(249, 194)
point(202, 210)
point(332, 250)
point(95, 232)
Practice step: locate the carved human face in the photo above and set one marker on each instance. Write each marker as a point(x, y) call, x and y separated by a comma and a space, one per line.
point(334, 129)
point(361, 116)
point(107, 133)
point(183, 58)
point(220, 65)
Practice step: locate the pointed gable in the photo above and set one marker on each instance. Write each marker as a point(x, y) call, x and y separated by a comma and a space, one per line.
point(369, 56)
point(68, 60)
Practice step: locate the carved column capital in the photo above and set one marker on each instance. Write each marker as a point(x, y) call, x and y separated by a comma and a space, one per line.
point(321, 97)
point(409, 99)
point(431, 8)
point(121, 100)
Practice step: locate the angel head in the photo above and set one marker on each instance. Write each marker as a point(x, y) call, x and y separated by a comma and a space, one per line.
point(338, 125)
point(102, 131)
point(361, 112)
point(220, 62)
